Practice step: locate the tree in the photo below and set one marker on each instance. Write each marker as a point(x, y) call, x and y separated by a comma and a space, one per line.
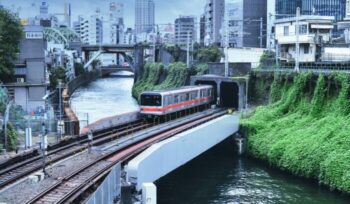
point(209, 54)
point(175, 51)
point(267, 60)
point(57, 73)
point(11, 33)
point(3, 99)
point(95, 63)
point(79, 69)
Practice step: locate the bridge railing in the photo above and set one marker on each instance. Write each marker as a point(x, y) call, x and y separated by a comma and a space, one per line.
point(109, 189)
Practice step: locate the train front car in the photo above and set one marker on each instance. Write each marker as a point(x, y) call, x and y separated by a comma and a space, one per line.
point(159, 103)
point(151, 104)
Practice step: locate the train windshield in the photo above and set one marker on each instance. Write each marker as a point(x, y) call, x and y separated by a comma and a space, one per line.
point(151, 100)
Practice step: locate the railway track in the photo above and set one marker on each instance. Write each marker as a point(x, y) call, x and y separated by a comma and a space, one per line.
point(19, 170)
point(14, 170)
point(69, 188)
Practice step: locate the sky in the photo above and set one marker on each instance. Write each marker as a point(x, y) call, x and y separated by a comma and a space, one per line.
point(166, 10)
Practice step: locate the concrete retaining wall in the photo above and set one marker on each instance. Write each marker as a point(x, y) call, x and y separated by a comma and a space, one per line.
point(112, 122)
point(72, 125)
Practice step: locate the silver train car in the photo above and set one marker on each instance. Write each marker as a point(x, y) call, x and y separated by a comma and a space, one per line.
point(164, 102)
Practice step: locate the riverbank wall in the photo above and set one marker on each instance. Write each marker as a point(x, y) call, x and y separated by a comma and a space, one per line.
point(301, 125)
point(71, 122)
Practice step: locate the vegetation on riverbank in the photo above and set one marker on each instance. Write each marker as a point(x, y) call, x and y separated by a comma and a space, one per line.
point(176, 76)
point(304, 129)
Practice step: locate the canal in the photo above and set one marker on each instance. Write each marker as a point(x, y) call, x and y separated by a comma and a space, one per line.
point(217, 176)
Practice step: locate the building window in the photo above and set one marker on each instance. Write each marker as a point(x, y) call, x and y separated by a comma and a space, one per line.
point(286, 30)
point(306, 49)
point(302, 29)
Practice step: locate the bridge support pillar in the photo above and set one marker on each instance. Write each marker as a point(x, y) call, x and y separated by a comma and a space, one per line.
point(240, 143)
point(149, 193)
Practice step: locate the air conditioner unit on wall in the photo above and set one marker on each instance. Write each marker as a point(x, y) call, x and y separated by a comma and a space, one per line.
point(20, 80)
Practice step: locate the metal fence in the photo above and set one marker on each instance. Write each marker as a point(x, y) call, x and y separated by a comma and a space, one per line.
point(109, 189)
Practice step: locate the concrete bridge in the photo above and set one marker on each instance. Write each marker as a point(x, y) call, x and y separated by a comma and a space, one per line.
point(163, 156)
point(132, 54)
point(106, 70)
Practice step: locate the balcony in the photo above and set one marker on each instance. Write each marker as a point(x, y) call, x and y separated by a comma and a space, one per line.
point(291, 39)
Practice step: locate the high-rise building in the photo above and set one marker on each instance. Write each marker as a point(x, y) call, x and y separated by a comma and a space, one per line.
point(247, 23)
point(144, 16)
point(202, 30)
point(116, 10)
point(334, 8)
point(214, 15)
point(185, 27)
point(44, 8)
point(91, 31)
point(114, 28)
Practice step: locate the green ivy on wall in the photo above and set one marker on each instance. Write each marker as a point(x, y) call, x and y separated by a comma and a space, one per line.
point(305, 129)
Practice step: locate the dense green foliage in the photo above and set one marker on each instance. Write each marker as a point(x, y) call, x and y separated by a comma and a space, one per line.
point(202, 69)
point(175, 51)
point(305, 128)
point(209, 54)
point(267, 60)
point(57, 73)
point(79, 69)
point(3, 99)
point(176, 76)
point(10, 36)
point(12, 137)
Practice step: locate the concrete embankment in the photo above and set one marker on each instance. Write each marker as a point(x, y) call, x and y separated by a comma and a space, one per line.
point(72, 125)
point(304, 127)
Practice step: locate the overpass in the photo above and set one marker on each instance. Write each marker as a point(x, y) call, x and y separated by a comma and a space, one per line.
point(106, 70)
point(133, 55)
point(163, 155)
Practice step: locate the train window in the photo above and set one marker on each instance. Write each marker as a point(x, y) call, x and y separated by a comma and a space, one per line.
point(193, 95)
point(167, 100)
point(183, 96)
point(176, 99)
point(187, 98)
point(151, 100)
point(202, 93)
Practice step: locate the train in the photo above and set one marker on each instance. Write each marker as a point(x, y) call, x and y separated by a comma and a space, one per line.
point(164, 102)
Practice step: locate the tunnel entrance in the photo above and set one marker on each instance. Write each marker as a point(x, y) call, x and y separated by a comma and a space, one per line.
point(213, 83)
point(229, 95)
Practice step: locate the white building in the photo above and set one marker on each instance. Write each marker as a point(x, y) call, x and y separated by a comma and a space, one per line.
point(313, 32)
point(271, 16)
point(91, 29)
point(129, 37)
point(214, 12)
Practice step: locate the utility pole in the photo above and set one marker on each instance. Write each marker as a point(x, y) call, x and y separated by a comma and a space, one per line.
point(226, 42)
point(43, 146)
point(188, 49)
point(60, 109)
point(297, 44)
point(261, 32)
